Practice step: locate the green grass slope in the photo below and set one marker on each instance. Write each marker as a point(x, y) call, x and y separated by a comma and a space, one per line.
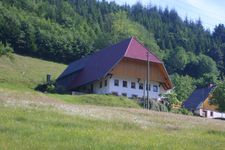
point(40, 128)
point(24, 73)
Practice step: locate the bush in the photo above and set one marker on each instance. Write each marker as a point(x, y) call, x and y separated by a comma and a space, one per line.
point(46, 87)
point(157, 106)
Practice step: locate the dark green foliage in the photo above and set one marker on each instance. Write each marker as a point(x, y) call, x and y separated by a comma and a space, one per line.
point(177, 60)
point(219, 96)
point(48, 87)
point(171, 99)
point(184, 86)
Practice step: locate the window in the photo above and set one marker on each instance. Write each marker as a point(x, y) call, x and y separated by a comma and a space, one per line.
point(100, 85)
point(141, 86)
point(133, 85)
point(124, 94)
point(148, 87)
point(116, 82)
point(124, 83)
point(115, 93)
point(106, 82)
point(211, 113)
point(134, 96)
point(155, 88)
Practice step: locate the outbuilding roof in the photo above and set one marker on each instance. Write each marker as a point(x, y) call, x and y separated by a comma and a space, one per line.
point(99, 64)
point(197, 98)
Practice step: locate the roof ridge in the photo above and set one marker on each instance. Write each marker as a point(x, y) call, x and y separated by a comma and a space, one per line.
point(131, 39)
point(149, 50)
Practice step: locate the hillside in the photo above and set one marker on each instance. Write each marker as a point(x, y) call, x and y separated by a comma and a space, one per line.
point(63, 31)
point(22, 74)
point(26, 72)
point(33, 120)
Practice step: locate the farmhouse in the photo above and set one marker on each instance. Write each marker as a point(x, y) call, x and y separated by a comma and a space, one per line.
point(199, 103)
point(120, 69)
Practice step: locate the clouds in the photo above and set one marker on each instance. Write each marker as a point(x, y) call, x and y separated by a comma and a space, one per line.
point(211, 12)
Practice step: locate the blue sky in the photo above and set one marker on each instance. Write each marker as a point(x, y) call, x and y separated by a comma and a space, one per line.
point(211, 12)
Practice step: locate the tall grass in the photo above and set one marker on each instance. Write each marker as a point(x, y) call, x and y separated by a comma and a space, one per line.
point(95, 99)
point(27, 129)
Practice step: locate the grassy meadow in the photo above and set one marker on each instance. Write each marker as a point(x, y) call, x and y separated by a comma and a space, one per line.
point(33, 120)
point(40, 128)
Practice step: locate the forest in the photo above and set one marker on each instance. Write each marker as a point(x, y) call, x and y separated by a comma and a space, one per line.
point(66, 30)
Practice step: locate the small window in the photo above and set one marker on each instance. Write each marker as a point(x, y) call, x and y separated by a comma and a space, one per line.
point(148, 87)
point(116, 82)
point(211, 113)
point(124, 94)
point(155, 88)
point(115, 93)
point(106, 82)
point(141, 86)
point(133, 85)
point(134, 96)
point(124, 83)
point(100, 85)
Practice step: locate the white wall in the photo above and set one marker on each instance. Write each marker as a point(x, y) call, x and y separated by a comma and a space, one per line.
point(215, 114)
point(103, 90)
point(128, 90)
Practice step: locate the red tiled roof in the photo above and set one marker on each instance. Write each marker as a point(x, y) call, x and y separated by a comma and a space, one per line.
point(98, 65)
point(136, 50)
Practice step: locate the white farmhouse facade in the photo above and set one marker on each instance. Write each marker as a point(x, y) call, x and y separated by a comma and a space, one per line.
point(128, 87)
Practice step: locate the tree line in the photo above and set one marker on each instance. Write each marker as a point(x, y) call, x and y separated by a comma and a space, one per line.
point(66, 30)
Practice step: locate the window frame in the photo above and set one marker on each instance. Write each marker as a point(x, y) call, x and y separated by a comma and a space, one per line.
point(133, 85)
point(148, 87)
point(116, 82)
point(141, 85)
point(124, 84)
point(155, 88)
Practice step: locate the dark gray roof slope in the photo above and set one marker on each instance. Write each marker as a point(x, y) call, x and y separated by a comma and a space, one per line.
point(74, 67)
point(197, 97)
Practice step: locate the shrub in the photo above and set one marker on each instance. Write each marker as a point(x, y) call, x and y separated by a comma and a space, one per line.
point(157, 106)
point(48, 87)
